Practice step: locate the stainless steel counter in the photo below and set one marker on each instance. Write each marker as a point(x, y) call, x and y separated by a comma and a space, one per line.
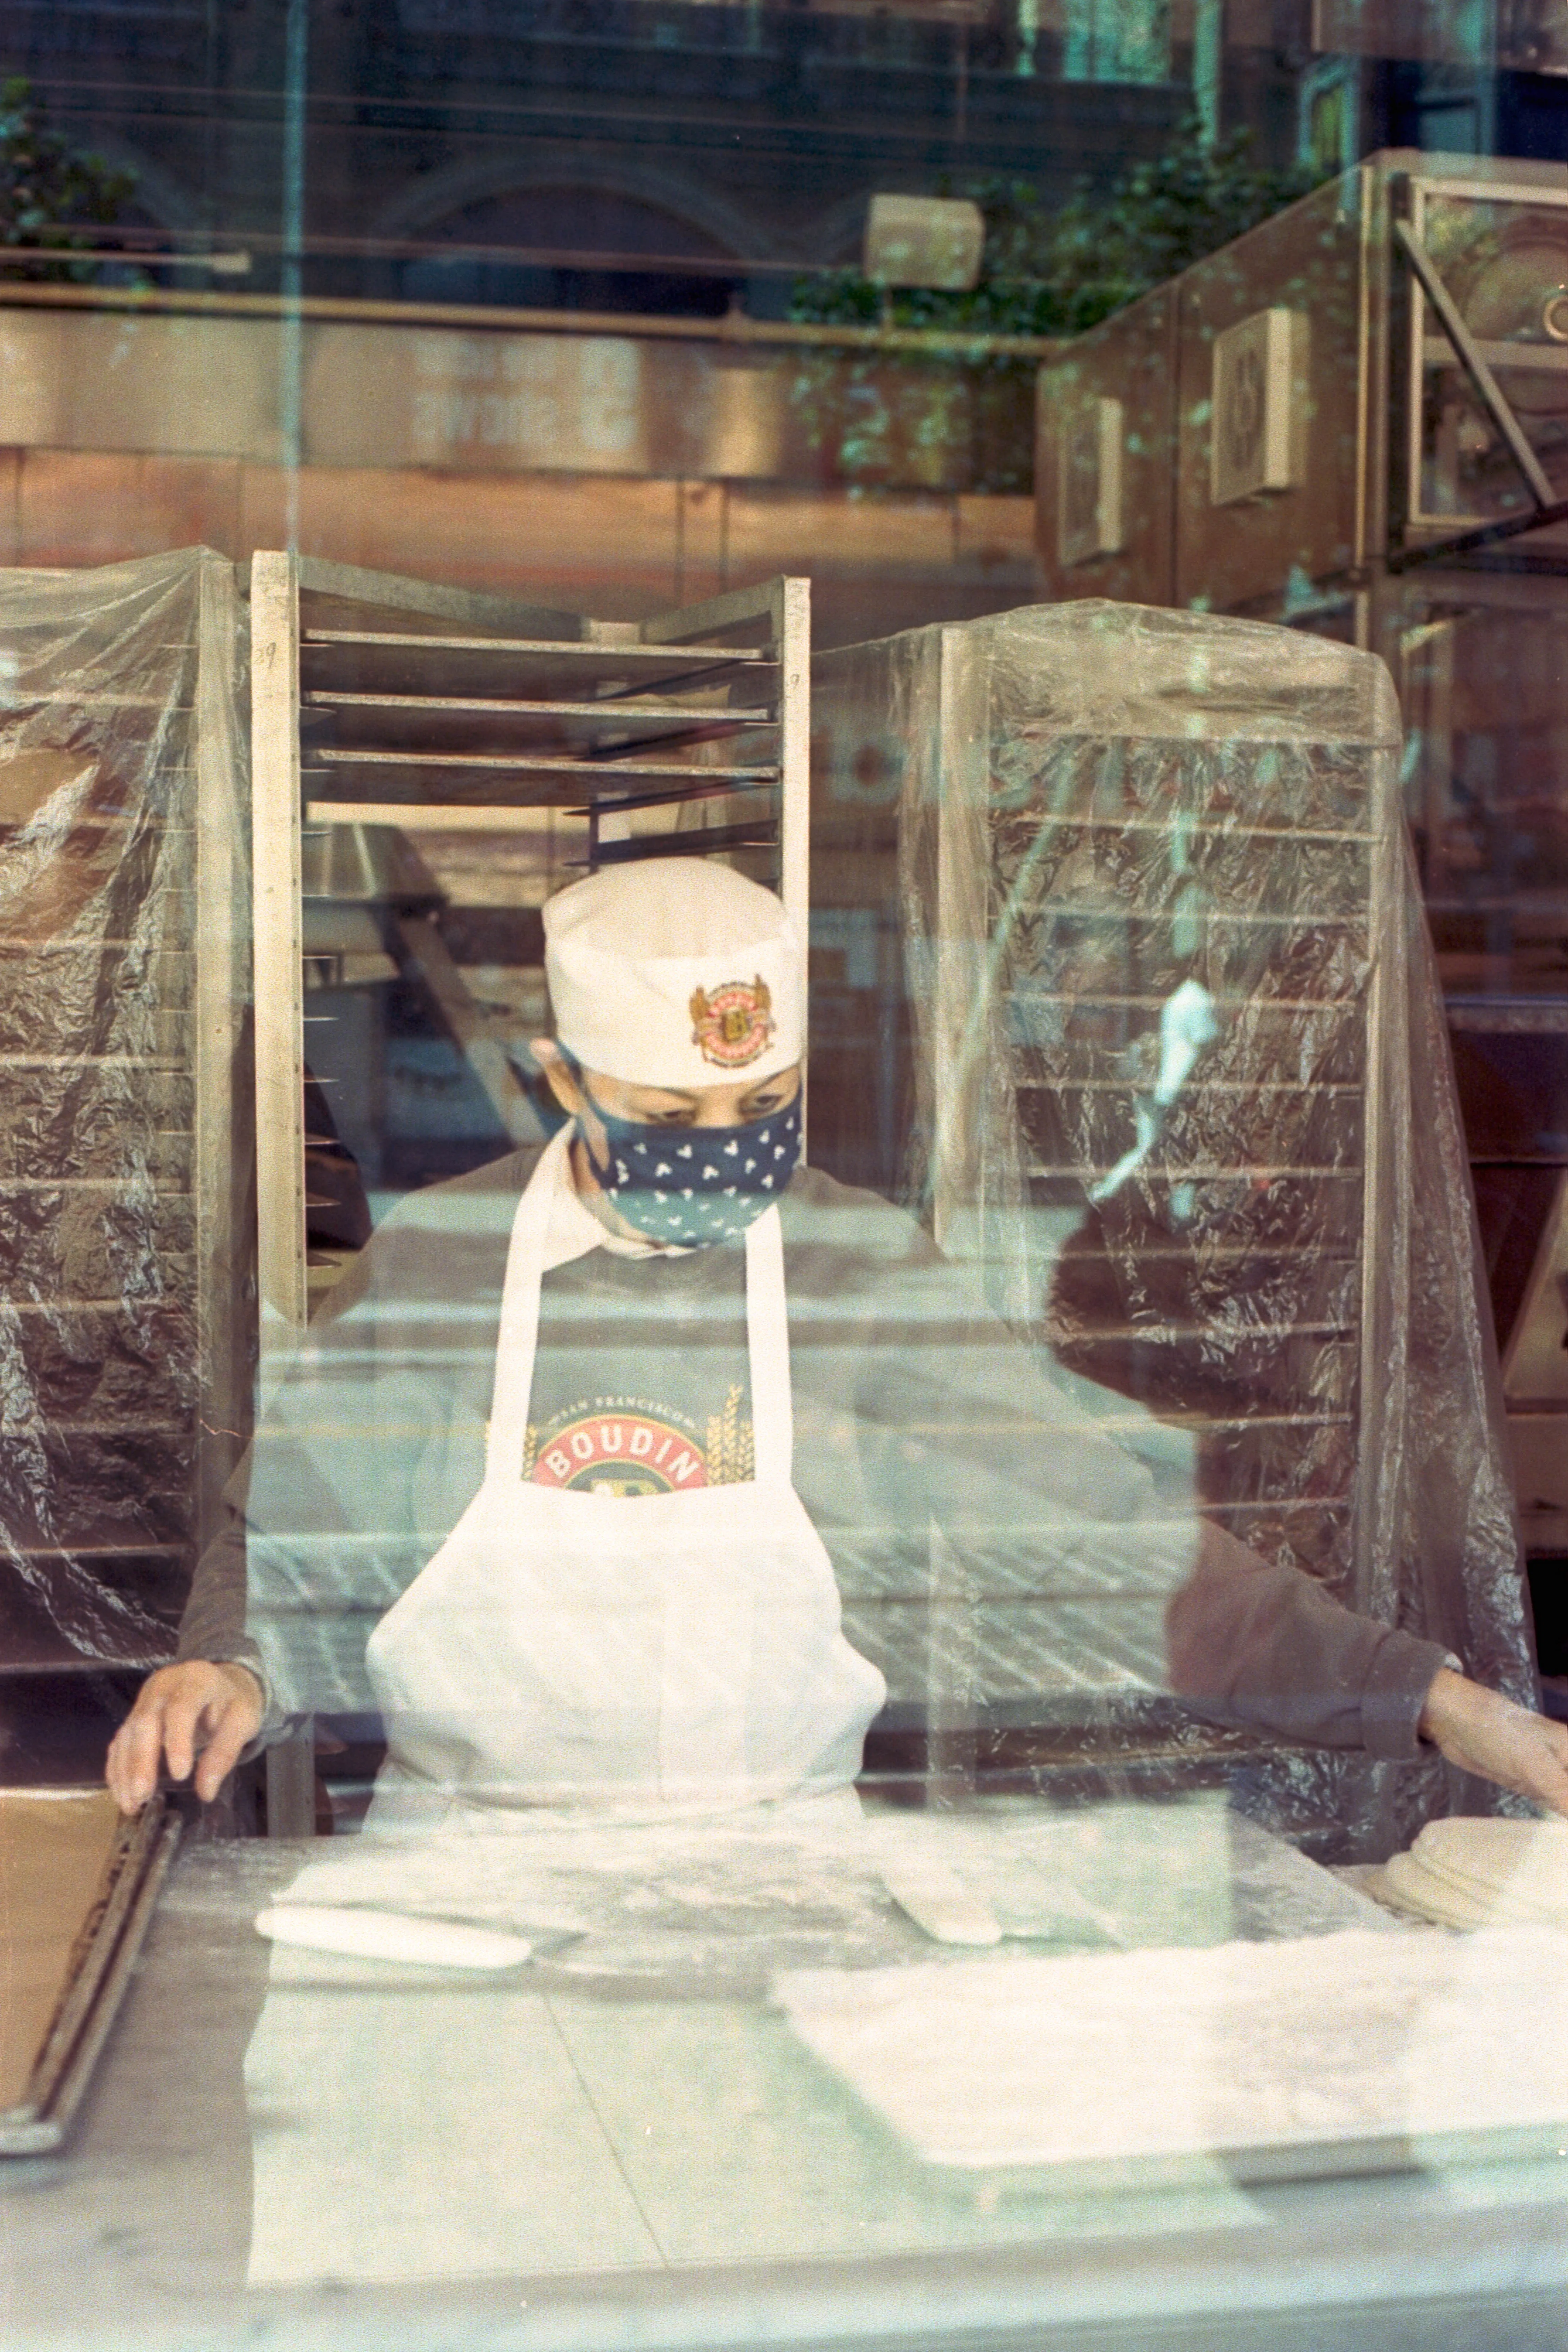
point(625, 2146)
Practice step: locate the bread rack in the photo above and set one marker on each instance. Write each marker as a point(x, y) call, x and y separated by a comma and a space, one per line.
point(684, 732)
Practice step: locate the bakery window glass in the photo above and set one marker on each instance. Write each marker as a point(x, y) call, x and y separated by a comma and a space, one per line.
point(785, 1185)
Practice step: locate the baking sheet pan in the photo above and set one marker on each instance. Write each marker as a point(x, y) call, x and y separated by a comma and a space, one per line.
point(78, 1885)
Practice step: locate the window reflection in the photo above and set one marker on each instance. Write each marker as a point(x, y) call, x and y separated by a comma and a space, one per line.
point(780, 983)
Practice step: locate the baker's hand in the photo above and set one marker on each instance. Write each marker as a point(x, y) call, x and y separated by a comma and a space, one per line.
point(184, 1713)
point(1491, 1737)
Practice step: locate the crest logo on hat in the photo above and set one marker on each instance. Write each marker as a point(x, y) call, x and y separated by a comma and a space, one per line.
point(733, 1025)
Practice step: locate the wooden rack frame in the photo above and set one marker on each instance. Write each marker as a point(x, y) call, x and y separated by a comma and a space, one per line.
point(439, 697)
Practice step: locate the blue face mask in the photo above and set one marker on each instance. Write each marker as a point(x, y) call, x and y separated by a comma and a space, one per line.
point(691, 1185)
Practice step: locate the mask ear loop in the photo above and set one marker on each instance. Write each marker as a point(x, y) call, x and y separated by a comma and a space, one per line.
point(580, 1079)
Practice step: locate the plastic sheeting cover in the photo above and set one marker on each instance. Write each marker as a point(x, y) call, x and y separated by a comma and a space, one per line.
point(1183, 1088)
point(123, 977)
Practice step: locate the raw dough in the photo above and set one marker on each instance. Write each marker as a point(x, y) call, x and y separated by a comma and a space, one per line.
point(1525, 1861)
point(1422, 1897)
point(1466, 1872)
point(938, 1901)
point(390, 1936)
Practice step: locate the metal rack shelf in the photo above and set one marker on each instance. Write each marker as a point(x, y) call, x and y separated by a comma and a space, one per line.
point(437, 709)
point(420, 772)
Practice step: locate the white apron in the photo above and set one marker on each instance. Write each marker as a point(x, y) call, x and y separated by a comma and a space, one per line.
point(635, 1655)
point(565, 1661)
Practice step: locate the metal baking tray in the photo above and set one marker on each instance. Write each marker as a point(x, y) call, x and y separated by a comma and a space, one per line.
point(68, 1941)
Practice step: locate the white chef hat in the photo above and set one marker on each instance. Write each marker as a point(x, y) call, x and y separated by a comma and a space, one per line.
point(674, 972)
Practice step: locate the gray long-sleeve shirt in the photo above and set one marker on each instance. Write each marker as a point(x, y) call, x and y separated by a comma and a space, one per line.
point(1011, 1546)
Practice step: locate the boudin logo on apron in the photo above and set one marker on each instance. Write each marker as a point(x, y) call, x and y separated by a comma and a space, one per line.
point(564, 1650)
point(621, 1454)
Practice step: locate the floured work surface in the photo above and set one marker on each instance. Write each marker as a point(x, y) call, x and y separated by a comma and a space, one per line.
point(627, 2098)
point(76, 1886)
point(1322, 2055)
point(715, 1909)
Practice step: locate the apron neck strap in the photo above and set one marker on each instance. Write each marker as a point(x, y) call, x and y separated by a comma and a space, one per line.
point(520, 1306)
point(767, 1327)
point(767, 1345)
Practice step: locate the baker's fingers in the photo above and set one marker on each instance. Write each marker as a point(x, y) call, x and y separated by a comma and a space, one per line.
point(200, 1707)
point(117, 1773)
point(235, 1726)
point(139, 1748)
point(176, 1713)
point(131, 1769)
point(1518, 1750)
point(1482, 1732)
point(1545, 1771)
point(187, 1704)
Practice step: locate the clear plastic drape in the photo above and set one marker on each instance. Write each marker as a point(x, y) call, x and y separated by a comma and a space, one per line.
point(1183, 1091)
point(127, 1302)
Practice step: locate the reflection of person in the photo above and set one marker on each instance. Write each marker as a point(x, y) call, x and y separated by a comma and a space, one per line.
point(784, 1377)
